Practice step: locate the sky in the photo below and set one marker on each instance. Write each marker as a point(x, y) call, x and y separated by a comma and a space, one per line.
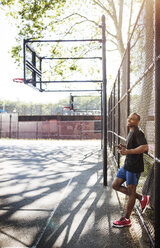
point(10, 90)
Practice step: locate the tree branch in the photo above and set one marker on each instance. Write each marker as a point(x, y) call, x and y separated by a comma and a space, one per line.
point(113, 35)
point(114, 14)
point(139, 36)
point(112, 42)
point(97, 24)
point(87, 51)
point(130, 20)
point(112, 50)
point(77, 23)
point(121, 13)
point(104, 8)
point(74, 14)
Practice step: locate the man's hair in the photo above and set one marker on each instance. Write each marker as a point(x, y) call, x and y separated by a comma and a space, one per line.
point(137, 115)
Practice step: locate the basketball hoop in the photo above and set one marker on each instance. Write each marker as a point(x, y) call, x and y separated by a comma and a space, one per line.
point(18, 80)
point(67, 107)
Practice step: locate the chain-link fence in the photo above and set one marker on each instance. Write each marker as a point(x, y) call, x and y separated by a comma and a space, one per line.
point(134, 91)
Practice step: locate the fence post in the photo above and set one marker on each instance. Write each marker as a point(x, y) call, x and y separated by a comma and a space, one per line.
point(104, 102)
point(10, 126)
point(119, 116)
point(111, 106)
point(110, 121)
point(113, 116)
point(128, 79)
point(157, 123)
point(101, 119)
point(109, 128)
point(37, 130)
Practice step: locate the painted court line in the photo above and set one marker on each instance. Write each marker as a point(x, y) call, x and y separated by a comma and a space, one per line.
point(54, 210)
point(52, 213)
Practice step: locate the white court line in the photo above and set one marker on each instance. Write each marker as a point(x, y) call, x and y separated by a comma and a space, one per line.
point(52, 213)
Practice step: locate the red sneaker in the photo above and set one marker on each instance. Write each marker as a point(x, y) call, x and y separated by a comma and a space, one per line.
point(145, 202)
point(122, 222)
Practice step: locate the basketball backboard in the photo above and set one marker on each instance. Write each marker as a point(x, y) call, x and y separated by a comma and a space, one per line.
point(43, 67)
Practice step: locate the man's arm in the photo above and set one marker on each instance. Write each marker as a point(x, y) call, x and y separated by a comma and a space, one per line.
point(137, 150)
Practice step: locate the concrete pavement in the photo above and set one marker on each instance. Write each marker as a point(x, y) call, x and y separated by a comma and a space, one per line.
point(52, 196)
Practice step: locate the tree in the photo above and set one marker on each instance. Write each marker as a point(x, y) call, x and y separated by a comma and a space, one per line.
point(81, 103)
point(32, 18)
point(36, 19)
point(76, 19)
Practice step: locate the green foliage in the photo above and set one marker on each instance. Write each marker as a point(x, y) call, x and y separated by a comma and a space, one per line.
point(74, 19)
point(32, 18)
point(73, 67)
point(7, 2)
point(16, 53)
point(87, 103)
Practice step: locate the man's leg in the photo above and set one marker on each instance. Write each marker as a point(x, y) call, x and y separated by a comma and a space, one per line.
point(132, 196)
point(132, 181)
point(117, 185)
point(131, 189)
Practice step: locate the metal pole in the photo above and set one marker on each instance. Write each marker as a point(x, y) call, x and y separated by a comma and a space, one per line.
point(68, 81)
point(111, 106)
point(24, 58)
point(68, 90)
point(157, 124)
point(76, 58)
point(101, 119)
point(41, 74)
point(34, 41)
point(109, 122)
point(33, 72)
point(119, 115)
point(104, 103)
point(114, 124)
point(128, 79)
point(128, 82)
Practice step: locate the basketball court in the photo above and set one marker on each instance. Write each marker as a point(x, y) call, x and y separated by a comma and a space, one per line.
point(52, 195)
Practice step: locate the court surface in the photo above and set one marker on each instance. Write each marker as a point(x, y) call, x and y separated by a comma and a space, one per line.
point(52, 195)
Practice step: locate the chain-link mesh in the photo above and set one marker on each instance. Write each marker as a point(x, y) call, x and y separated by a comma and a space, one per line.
point(133, 91)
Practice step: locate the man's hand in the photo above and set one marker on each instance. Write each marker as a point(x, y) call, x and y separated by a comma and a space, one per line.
point(123, 151)
point(120, 146)
point(138, 150)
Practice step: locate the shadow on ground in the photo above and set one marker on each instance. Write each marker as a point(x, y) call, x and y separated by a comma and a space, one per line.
point(52, 195)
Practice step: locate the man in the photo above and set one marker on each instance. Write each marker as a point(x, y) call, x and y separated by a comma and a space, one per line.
point(136, 145)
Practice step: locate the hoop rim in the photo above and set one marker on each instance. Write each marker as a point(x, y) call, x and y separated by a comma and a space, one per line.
point(67, 107)
point(18, 80)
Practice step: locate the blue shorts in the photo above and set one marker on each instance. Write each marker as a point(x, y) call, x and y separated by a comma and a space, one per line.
point(131, 178)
